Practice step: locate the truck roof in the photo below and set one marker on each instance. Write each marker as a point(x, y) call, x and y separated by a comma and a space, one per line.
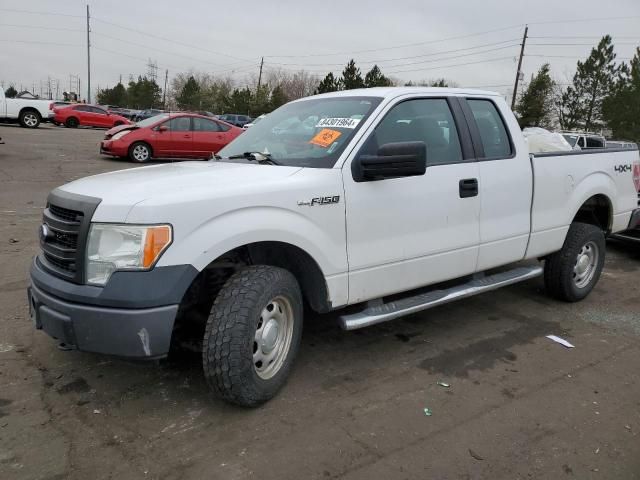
point(392, 92)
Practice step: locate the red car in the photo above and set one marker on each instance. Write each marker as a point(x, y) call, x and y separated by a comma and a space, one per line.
point(169, 135)
point(87, 115)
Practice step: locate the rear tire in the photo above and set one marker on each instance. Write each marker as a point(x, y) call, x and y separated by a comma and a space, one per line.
point(140, 152)
point(252, 335)
point(72, 122)
point(571, 273)
point(30, 119)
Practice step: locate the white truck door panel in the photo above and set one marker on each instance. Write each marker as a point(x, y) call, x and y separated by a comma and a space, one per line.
point(505, 182)
point(404, 233)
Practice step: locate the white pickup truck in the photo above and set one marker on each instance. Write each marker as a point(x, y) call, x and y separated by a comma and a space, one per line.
point(29, 113)
point(369, 199)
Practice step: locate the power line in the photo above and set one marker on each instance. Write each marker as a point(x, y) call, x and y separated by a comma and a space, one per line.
point(42, 27)
point(581, 20)
point(39, 43)
point(397, 46)
point(578, 44)
point(455, 65)
point(13, 10)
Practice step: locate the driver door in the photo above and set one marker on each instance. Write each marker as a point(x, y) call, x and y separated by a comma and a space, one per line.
point(403, 233)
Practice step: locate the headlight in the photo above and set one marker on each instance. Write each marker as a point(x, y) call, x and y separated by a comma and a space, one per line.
point(114, 247)
point(119, 135)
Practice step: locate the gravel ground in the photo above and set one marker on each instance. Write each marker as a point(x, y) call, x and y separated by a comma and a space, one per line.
point(518, 404)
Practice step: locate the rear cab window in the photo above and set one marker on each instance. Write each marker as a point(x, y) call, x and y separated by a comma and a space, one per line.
point(493, 132)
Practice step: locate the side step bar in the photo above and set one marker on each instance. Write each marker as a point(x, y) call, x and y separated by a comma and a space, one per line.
point(625, 237)
point(383, 312)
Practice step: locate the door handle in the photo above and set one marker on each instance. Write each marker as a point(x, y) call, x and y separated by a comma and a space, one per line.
point(468, 187)
point(187, 136)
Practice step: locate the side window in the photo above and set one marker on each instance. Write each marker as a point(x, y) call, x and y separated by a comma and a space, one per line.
point(82, 108)
point(222, 127)
point(581, 142)
point(493, 131)
point(99, 111)
point(595, 142)
point(204, 125)
point(179, 124)
point(422, 120)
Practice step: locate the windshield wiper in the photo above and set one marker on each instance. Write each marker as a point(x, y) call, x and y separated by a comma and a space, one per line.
point(262, 158)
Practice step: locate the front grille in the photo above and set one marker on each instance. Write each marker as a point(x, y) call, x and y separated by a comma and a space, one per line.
point(65, 226)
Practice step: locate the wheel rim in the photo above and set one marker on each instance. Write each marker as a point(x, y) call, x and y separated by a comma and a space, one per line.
point(140, 153)
point(586, 265)
point(272, 339)
point(30, 120)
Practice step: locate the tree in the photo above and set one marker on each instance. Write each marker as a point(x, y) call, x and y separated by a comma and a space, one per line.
point(328, 84)
point(143, 93)
point(113, 96)
point(535, 106)
point(241, 100)
point(621, 109)
point(189, 97)
point(10, 92)
point(278, 98)
point(375, 78)
point(351, 77)
point(438, 82)
point(592, 82)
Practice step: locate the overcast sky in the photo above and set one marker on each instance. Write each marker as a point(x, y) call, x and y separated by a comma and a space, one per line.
point(229, 38)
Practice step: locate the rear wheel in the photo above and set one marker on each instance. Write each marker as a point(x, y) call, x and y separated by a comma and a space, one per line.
point(252, 335)
point(72, 122)
point(140, 152)
point(573, 272)
point(29, 119)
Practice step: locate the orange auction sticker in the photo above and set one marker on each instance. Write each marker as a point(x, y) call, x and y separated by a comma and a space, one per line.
point(325, 137)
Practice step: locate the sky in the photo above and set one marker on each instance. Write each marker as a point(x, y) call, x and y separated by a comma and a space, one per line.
point(472, 43)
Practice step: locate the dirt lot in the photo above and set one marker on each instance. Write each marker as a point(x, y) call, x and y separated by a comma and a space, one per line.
point(518, 405)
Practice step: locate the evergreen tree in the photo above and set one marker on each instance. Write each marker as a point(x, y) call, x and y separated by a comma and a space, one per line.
point(329, 84)
point(621, 109)
point(375, 78)
point(278, 98)
point(113, 96)
point(440, 82)
point(535, 107)
point(259, 103)
point(143, 93)
point(10, 92)
point(592, 82)
point(189, 96)
point(241, 101)
point(351, 77)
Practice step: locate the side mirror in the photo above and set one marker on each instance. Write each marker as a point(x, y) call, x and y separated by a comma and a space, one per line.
point(393, 160)
point(163, 128)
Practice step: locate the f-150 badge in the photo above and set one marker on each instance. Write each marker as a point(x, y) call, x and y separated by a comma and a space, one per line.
point(320, 201)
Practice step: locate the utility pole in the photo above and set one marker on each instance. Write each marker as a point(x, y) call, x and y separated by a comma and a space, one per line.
point(164, 92)
point(88, 59)
point(260, 76)
point(518, 73)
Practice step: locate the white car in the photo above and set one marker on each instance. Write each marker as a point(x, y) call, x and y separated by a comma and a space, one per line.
point(29, 113)
point(390, 190)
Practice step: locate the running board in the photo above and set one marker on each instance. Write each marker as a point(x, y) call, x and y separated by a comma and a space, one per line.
point(625, 237)
point(383, 312)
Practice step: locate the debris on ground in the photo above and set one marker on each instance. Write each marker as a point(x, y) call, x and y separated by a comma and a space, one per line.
point(428, 412)
point(13, 240)
point(475, 455)
point(444, 384)
point(559, 340)
point(97, 412)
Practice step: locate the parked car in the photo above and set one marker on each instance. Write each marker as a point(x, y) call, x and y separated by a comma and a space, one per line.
point(395, 191)
point(29, 113)
point(148, 113)
point(584, 141)
point(169, 135)
point(254, 121)
point(87, 116)
point(233, 119)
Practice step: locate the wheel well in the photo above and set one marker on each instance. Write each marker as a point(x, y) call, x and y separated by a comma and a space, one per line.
point(29, 109)
point(198, 299)
point(597, 211)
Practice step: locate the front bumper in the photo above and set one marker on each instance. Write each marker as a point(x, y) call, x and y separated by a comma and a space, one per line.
point(132, 316)
point(109, 147)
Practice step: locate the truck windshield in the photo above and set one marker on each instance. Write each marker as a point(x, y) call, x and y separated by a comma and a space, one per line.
point(308, 133)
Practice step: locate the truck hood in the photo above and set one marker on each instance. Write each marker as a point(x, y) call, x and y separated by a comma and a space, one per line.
point(121, 190)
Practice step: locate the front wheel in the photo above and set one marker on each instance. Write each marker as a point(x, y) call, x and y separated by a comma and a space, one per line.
point(573, 272)
point(252, 335)
point(72, 122)
point(30, 119)
point(140, 152)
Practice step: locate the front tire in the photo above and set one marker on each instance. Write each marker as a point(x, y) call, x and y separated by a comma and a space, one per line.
point(30, 119)
point(72, 122)
point(571, 273)
point(252, 335)
point(140, 152)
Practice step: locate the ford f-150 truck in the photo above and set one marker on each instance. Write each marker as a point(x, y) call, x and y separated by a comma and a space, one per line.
point(387, 201)
point(29, 113)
